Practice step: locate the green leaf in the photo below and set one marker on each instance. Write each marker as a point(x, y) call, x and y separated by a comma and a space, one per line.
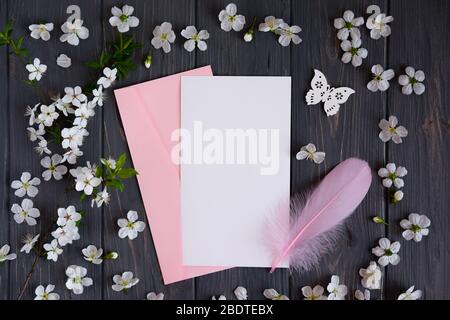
point(83, 197)
point(116, 184)
point(99, 171)
point(93, 65)
point(121, 161)
point(127, 173)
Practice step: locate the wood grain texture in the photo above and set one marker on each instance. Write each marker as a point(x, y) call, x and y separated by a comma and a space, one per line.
point(419, 38)
point(4, 159)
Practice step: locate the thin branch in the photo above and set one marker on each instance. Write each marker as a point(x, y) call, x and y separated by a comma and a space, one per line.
point(27, 280)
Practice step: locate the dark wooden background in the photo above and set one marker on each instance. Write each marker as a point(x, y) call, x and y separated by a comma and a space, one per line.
point(420, 38)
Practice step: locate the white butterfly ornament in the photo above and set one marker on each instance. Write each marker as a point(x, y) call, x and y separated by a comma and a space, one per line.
point(322, 92)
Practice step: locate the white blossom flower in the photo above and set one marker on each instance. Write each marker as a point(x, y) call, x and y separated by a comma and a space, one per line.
point(74, 96)
point(397, 196)
point(26, 185)
point(337, 291)
point(79, 171)
point(5, 255)
point(359, 295)
point(34, 134)
point(241, 293)
point(124, 281)
point(379, 27)
point(82, 115)
point(412, 81)
point(99, 96)
point(310, 152)
point(353, 52)
point(109, 76)
point(73, 137)
point(270, 24)
point(221, 297)
point(101, 198)
point(371, 277)
point(73, 32)
point(46, 293)
point(92, 254)
point(348, 25)
point(390, 130)
point(287, 34)
point(195, 38)
point(53, 250)
point(387, 252)
point(392, 175)
point(48, 115)
point(71, 156)
point(410, 294)
point(54, 167)
point(25, 212)
point(110, 163)
point(163, 36)
point(315, 293)
point(380, 79)
point(36, 70)
point(64, 61)
point(229, 19)
point(123, 19)
point(31, 112)
point(416, 227)
point(42, 146)
point(130, 227)
point(41, 31)
point(65, 108)
point(77, 279)
point(66, 235)
point(86, 182)
point(154, 296)
point(273, 294)
point(28, 243)
point(67, 216)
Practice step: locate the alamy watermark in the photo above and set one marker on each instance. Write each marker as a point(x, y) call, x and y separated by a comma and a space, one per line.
point(234, 146)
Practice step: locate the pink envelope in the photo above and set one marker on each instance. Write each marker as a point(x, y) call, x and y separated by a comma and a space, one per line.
point(150, 112)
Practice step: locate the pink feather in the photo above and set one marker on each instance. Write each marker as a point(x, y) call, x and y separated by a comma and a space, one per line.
point(314, 226)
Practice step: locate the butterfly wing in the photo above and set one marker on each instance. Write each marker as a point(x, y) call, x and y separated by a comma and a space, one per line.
point(335, 98)
point(319, 88)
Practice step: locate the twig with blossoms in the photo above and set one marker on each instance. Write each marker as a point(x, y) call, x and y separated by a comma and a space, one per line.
point(93, 181)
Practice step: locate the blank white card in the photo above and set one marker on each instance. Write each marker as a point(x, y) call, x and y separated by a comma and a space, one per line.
point(235, 167)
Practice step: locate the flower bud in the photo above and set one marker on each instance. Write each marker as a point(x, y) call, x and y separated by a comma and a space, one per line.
point(148, 61)
point(379, 220)
point(111, 255)
point(397, 196)
point(248, 36)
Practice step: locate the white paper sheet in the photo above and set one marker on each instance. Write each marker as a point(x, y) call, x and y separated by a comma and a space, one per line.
point(228, 197)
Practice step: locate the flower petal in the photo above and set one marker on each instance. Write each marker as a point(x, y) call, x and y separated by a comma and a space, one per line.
point(418, 88)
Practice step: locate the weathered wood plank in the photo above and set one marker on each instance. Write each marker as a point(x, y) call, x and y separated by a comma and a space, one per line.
point(351, 133)
point(139, 255)
point(26, 13)
point(420, 39)
point(4, 161)
point(228, 54)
